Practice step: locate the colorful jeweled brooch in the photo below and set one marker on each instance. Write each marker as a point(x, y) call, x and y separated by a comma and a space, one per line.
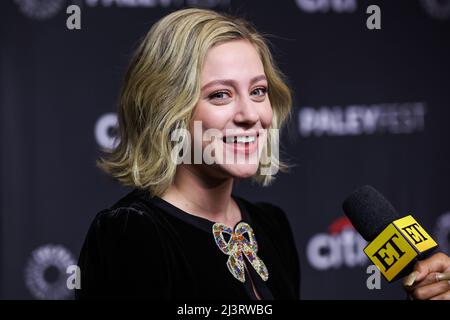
point(239, 246)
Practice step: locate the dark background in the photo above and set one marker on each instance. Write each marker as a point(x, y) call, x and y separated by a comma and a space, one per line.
point(56, 84)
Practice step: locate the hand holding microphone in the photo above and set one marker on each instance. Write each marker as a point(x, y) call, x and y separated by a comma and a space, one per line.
point(430, 279)
point(396, 243)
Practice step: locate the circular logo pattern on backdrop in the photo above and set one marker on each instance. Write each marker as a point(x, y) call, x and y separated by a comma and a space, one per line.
point(45, 272)
point(106, 131)
point(40, 9)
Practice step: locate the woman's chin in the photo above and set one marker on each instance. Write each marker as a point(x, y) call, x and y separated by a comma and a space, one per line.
point(241, 171)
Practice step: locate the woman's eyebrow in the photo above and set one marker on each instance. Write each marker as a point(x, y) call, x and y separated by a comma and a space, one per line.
point(230, 82)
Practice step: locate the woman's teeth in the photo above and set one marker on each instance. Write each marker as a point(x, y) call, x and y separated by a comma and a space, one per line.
point(241, 139)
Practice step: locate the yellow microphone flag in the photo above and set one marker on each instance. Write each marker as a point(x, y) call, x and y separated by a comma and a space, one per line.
point(399, 243)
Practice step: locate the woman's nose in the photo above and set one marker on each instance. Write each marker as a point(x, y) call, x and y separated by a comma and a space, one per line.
point(246, 111)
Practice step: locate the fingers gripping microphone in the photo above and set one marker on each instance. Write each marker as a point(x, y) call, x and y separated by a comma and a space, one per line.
point(395, 242)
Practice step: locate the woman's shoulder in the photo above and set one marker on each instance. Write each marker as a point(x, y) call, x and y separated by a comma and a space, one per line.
point(121, 240)
point(134, 205)
point(129, 217)
point(127, 224)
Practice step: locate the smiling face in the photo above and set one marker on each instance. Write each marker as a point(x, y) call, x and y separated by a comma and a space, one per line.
point(233, 100)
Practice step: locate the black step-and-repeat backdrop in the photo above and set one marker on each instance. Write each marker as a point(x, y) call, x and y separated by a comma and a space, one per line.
point(372, 106)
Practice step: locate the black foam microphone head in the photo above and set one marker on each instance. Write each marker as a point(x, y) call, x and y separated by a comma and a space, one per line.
point(369, 212)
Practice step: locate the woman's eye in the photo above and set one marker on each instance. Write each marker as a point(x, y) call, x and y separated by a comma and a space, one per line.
point(260, 91)
point(218, 95)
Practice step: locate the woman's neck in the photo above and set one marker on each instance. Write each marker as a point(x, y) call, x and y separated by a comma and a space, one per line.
point(197, 193)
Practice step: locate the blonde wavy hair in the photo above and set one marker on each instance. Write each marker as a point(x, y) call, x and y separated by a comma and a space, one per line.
point(162, 86)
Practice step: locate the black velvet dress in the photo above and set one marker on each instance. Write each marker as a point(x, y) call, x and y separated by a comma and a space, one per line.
point(147, 248)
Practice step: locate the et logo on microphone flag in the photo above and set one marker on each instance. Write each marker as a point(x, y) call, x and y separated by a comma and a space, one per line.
point(399, 243)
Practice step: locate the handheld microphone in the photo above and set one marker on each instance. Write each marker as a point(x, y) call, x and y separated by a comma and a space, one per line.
point(395, 242)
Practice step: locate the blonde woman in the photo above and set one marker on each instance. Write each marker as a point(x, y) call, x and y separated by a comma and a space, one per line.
point(200, 107)
point(182, 233)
